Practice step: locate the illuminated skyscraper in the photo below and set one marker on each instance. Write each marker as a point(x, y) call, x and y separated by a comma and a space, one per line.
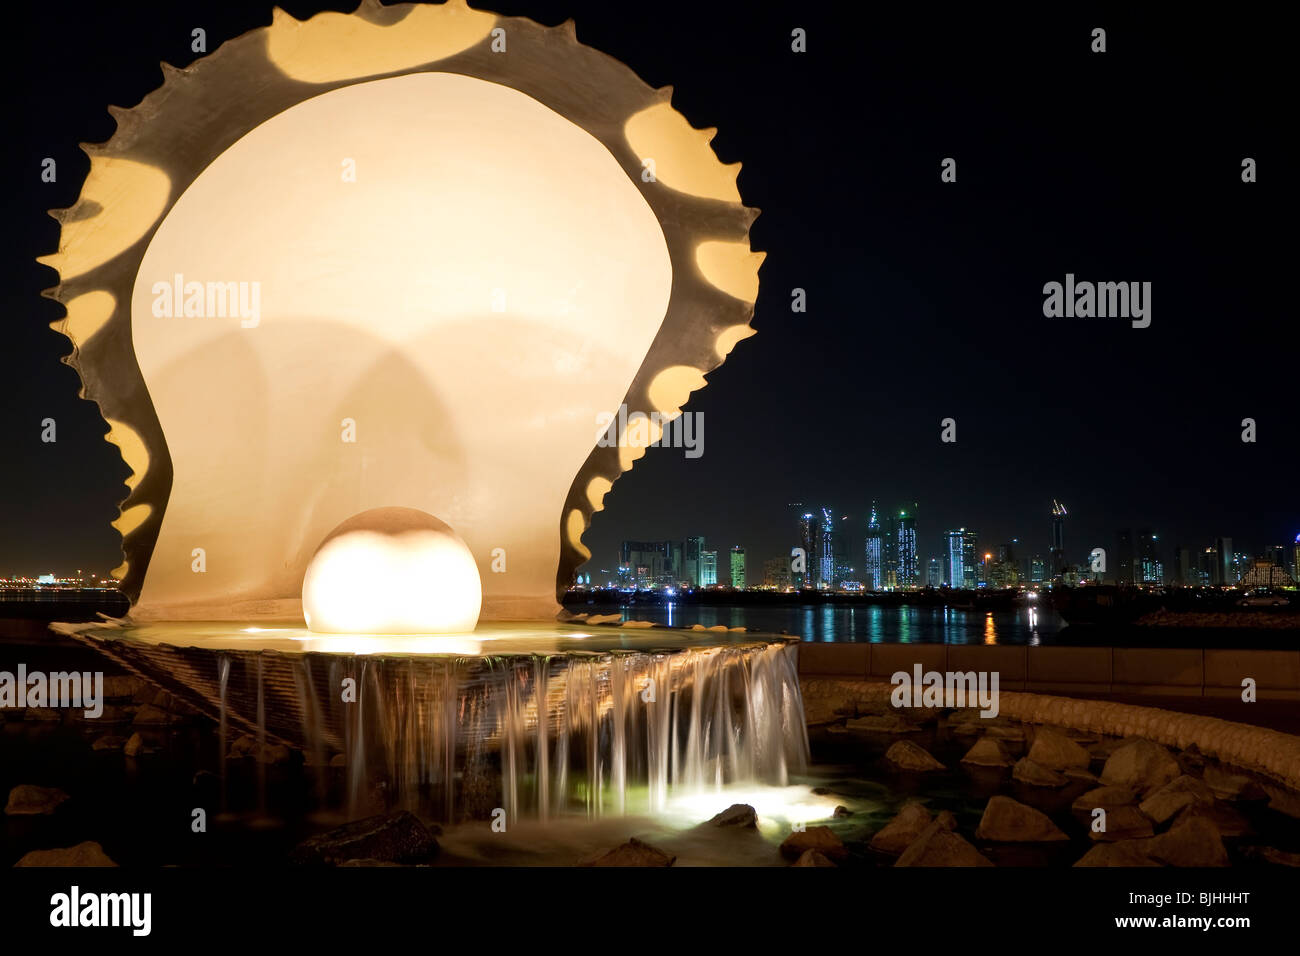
point(808, 542)
point(826, 551)
point(874, 573)
point(737, 567)
point(690, 571)
point(1058, 538)
point(708, 569)
point(934, 575)
point(1150, 568)
point(908, 572)
point(961, 558)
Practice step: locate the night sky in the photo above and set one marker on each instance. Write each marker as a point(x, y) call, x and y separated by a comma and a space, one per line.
point(924, 298)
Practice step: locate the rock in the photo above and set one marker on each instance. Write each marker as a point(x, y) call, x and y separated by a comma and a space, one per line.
point(269, 753)
point(151, 714)
point(1177, 794)
point(134, 745)
point(1232, 786)
point(1122, 853)
point(339, 760)
point(43, 714)
point(631, 853)
point(109, 742)
point(118, 687)
point(1009, 821)
point(1123, 823)
point(1075, 773)
point(1226, 820)
point(274, 754)
point(822, 839)
point(1275, 856)
point(1283, 800)
point(1141, 765)
point(1055, 751)
point(1105, 798)
point(1190, 842)
point(881, 724)
point(987, 752)
point(939, 846)
point(813, 858)
point(83, 854)
point(1191, 760)
point(736, 815)
point(1005, 733)
point(899, 833)
point(946, 819)
point(1036, 775)
point(392, 838)
point(28, 800)
point(906, 755)
point(842, 812)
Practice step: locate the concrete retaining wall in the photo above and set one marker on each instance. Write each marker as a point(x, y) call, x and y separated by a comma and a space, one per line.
point(1064, 670)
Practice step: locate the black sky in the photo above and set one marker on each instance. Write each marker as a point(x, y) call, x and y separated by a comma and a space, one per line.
point(924, 298)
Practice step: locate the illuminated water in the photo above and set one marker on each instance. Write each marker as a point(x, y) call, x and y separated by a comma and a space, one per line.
point(876, 624)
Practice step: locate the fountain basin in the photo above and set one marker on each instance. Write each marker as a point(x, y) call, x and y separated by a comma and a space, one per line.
point(530, 719)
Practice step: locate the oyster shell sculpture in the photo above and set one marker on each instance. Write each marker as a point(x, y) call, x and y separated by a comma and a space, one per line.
point(411, 257)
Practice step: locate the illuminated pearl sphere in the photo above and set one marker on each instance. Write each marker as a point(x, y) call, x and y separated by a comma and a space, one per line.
point(392, 571)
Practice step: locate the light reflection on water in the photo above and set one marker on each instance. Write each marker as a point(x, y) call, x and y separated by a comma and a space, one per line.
point(874, 624)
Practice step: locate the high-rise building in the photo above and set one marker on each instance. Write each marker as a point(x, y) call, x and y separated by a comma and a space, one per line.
point(776, 574)
point(1125, 555)
point(934, 574)
point(708, 569)
point(961, 558)
point(1058, 538)
point(737, 567)
point(808, 542)
point(908, 571)
point(691, 561)
point(1211, 568)
point(1038, 569)
point(1228, 573)
point(647, 564)
point(874, 572)
point(826, 550)
point(1150, 566)
point(1295, 560)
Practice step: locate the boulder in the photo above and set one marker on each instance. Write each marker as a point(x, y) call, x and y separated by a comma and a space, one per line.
point(987, 752)
point(1009, 821)
point(631, 853)
point(899, 833)
point(946, 819)
point(393, 838)
point(881, 724)
point(1056, 751)
point(1122, 853)
point(736, 815)
point(1036, 775)
point(813, 858)
point(151, 714)
point(28, 800)
point(1123, 823)
point(842, 812)
point(1231, 786)
point(906, 755)
point(1141, 765)
point(109, 742)
point(821, 839)
point(88, 853)
point(1191, 842)
point(1226, 820)
point(134, 745)
point(1176, 795)
point(43, 714)
point(1105, 798)
point(1077, 773)
point(1275, 856)
point(939, 846)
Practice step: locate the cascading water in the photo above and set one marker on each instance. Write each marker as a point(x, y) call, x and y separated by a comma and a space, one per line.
point(539, 736)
